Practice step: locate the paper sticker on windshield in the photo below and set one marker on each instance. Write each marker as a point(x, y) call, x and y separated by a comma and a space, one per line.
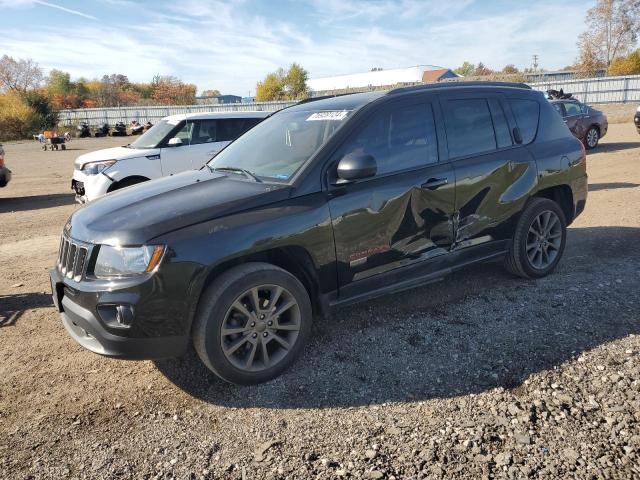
point(329, 115)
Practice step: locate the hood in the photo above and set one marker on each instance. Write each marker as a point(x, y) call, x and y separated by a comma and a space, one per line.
point(135, 215)
point(116, 153)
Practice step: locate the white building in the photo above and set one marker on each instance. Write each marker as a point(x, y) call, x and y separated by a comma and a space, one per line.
point(381, 78)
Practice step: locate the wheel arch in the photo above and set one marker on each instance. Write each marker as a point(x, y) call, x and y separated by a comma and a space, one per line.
point(294, 259)
point(563, 196)
point(127, 181)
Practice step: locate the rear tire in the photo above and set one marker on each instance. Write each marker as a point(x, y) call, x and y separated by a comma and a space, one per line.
point(592, 138)
point(539, 240)
point(246, 341)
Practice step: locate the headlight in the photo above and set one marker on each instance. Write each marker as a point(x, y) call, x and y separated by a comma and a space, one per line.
point(94, 168)
point(127, 261)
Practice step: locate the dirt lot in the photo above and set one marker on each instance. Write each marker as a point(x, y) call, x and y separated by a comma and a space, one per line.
point(481, 375)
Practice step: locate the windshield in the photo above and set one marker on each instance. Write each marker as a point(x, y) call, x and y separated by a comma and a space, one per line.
point(152, 137)
point(279, 146)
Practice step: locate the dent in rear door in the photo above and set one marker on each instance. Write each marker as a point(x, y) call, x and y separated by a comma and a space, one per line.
point(491, 185)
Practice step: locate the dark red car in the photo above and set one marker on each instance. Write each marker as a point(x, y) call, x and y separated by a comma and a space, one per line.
point(585, 122)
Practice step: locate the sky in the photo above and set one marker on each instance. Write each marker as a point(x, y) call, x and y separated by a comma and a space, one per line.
point(230, 45)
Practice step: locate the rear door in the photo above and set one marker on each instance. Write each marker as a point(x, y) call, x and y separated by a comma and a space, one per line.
point(573, 117)
point(387, 226)
point(494, 174)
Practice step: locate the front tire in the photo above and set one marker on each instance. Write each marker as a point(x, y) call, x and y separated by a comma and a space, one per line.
point(252, 323)
point(539, 240)
point(592, 138)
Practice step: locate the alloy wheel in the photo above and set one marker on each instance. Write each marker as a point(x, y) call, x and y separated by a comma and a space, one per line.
point(592, 138)
point(544, 240)
point(260, 328)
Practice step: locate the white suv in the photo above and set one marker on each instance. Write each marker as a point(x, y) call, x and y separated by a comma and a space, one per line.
point(175, 144)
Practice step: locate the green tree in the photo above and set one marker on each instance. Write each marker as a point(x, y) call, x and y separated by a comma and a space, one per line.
point(295, 82)
point(466, 69)
point(59, 83)
point(283, 85)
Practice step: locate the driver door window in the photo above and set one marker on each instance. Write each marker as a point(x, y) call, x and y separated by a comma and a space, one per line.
point(399, 138)
point(185, 133)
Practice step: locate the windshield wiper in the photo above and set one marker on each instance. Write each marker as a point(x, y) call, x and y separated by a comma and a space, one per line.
point(245, 172)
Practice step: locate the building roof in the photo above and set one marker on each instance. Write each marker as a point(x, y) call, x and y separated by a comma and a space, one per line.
point(375, 78)
point(433, 75)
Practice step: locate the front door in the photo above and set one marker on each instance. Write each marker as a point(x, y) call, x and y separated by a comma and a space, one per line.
point(177, 158)
point(387, 226)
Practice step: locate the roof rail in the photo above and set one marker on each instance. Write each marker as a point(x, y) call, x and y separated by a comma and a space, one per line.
point(458, 84)
point(323, 97)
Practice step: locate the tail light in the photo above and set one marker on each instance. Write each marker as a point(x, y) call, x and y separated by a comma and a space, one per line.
point(1, 161)
point(584, 154)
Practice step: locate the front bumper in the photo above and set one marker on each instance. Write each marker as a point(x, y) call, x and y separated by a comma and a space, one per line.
point(86, 328)
point(5, 176)
point(89, 187)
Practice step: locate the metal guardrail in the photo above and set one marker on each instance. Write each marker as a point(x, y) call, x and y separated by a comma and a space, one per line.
point(97, 116)
point(588, 90)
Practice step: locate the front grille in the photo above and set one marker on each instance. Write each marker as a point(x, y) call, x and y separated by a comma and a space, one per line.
point(72, 259)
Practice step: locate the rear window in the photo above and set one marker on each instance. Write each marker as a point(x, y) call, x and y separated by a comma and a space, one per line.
point(527, 113)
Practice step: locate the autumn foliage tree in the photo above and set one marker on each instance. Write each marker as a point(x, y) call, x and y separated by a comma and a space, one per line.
point(628, 65)
point(612, 30)
point(172, 91)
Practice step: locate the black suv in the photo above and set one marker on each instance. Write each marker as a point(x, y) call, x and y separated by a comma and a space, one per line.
point(329, 202)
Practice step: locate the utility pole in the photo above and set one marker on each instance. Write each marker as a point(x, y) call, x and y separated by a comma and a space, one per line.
point(534, 64)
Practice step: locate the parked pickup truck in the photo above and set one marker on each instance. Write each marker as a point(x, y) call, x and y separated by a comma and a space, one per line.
point(325, 203)
point(636, 119)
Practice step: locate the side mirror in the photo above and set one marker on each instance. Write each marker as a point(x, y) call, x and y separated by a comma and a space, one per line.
point(175, 142)
point(355, 166)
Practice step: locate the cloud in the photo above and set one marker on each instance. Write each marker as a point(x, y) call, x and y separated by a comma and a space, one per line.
point(30, 3)
point(232, 45)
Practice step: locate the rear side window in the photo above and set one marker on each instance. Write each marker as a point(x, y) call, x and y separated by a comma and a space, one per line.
point(503, 136)
point(572, 108)
point(469, 127)
point(527, 113)
point(399, 138)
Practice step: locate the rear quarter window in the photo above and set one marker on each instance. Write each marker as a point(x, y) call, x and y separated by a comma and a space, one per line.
point(527, 113)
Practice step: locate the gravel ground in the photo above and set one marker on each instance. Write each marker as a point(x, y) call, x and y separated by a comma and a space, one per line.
point(481, 375)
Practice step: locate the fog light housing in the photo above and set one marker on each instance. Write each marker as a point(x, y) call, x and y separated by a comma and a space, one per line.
point(116, 316)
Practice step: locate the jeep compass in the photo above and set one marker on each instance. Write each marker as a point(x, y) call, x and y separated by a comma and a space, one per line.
point(325, 203)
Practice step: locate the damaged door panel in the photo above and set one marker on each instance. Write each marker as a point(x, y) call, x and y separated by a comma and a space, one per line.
point(403, 215)
point(494, 174)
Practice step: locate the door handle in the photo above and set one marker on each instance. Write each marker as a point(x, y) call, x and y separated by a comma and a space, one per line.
point(213, 152)
point(434, 183)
